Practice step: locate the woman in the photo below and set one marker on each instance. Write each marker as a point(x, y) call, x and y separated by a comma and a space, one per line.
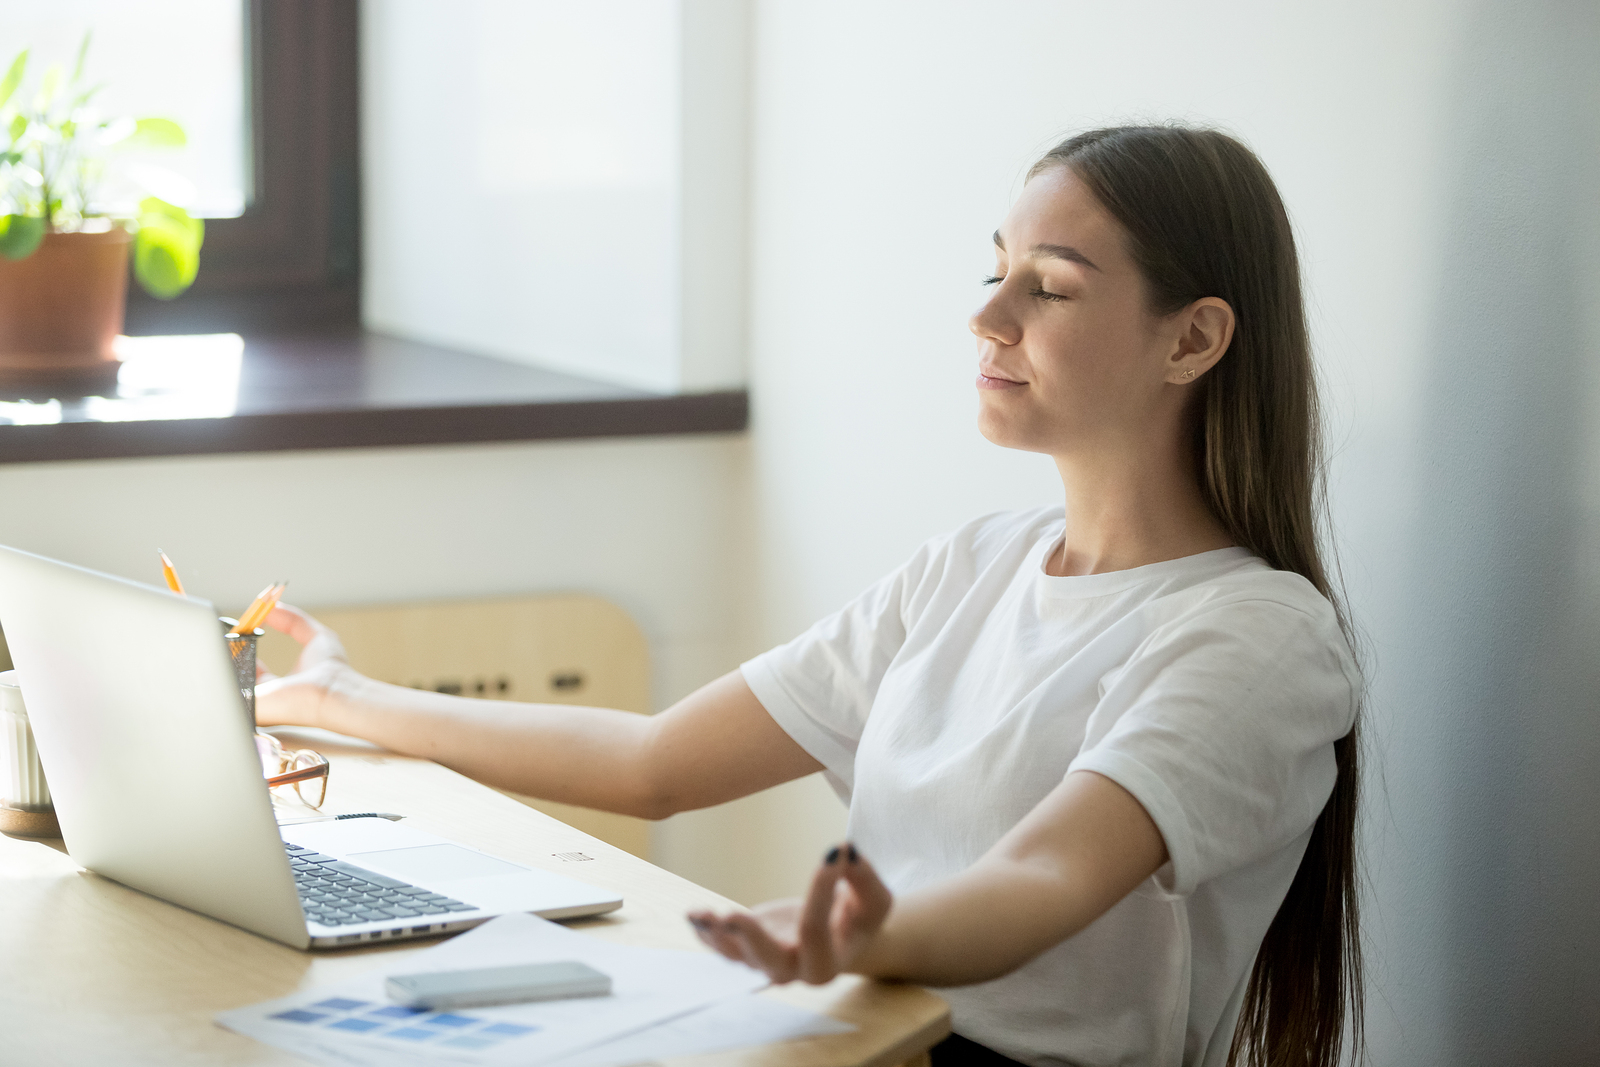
point(1101, 757)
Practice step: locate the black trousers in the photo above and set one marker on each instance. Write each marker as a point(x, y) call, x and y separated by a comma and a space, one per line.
point(957, 1051)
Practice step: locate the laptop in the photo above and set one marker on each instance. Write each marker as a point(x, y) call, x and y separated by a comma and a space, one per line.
point(143, 734)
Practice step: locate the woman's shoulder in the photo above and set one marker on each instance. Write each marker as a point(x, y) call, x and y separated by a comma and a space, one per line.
point(1249, 579)
point(991, 547)
point(1256, 603)
point(998, 531)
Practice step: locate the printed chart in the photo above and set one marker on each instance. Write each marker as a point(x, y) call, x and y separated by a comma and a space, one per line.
point(409, 1026)
point(354, 1023)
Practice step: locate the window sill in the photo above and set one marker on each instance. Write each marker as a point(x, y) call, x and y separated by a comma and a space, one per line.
point(176, 397)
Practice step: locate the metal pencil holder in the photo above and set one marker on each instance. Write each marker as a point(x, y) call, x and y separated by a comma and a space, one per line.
point(242, 649)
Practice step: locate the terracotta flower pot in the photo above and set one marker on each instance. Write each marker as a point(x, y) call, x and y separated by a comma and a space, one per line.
point(61, 308)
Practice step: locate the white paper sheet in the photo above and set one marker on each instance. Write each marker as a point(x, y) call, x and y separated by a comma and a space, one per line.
point(736, 1023)
point(354, 1024)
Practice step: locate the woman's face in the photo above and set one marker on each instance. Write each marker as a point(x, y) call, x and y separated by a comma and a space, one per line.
point(1070, 360)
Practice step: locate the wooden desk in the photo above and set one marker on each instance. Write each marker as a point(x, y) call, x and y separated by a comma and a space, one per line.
point(94, 973)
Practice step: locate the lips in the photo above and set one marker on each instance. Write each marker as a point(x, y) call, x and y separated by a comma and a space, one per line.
point(990, 378)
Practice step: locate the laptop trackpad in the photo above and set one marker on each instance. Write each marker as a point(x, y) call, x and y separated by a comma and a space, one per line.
point(426, 864)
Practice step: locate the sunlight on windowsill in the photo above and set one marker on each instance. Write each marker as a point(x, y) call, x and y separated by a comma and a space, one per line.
point(187, 377)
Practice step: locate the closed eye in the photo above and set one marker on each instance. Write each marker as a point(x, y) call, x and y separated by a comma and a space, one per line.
point(1042, 294)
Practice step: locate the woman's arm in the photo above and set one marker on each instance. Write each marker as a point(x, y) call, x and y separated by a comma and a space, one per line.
point(715, 745)
point(1082, 849)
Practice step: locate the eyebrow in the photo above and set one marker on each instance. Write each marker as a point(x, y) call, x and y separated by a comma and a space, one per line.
point(1066, 252)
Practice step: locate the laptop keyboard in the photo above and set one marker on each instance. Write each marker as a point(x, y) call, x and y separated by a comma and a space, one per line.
point(336, 893)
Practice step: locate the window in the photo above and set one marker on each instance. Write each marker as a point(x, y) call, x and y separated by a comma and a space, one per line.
point(178, 59)
point(268, 92)
point(291, 262)
point(282, 249)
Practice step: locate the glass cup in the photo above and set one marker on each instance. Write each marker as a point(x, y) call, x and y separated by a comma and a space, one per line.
point(22, 784)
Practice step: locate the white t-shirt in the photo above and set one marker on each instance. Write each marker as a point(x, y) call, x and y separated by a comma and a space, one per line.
point(948, 699)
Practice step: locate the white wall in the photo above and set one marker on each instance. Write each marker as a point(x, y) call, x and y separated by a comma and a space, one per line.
point(520, 163)
point(655, 524)
point(1439, 160)
point(560, 184)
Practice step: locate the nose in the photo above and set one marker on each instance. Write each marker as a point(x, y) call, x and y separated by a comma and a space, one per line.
point(994, 322)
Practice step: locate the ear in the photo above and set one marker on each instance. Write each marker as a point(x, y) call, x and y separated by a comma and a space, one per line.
point(1204, 331)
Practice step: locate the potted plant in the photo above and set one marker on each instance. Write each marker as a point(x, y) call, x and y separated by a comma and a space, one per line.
point(63, 251)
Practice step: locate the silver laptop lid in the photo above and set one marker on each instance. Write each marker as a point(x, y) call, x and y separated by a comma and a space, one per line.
point(141, 729)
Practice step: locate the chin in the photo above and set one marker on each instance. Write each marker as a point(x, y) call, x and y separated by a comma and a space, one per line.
point(1005, 432)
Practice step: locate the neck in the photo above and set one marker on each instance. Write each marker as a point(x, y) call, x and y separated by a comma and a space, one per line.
point(1128, 507)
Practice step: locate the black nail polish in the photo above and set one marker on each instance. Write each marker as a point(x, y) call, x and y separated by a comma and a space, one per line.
point(851, 854)
point(832, 857)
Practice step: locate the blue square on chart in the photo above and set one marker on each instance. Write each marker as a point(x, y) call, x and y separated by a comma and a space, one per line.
point(355, 1026)
point(411, 1033)
point(468, 1042)
point(446, 1019)
point(508, 1030)
point(340, 1004)
point(299, 1015)
point(395, 1011)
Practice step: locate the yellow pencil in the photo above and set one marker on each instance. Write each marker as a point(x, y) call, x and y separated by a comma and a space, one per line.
point(260, 608)
point(267, 605)
point(244, 616)
point(170, 573)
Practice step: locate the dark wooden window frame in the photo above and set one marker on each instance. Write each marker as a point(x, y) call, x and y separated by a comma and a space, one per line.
point(292, 262)
point(287, 275)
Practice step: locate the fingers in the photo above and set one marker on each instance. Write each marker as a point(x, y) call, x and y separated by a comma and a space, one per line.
point(741, 938)
point(829, 930)
point(292, 621)
point(780, 962)
point(708, 928)
point(816, 940)
point(317, 642)
point(873, 896)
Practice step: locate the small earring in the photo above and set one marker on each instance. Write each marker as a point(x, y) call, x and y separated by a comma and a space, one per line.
point(1186, 375)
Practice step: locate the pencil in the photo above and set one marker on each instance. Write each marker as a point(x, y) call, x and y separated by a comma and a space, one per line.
point(245, 615)
point(170, 573)
point(260, 608)
point(267, 606)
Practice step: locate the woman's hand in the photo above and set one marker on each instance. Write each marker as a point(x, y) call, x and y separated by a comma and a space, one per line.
point(813, 940)
point(321, 673)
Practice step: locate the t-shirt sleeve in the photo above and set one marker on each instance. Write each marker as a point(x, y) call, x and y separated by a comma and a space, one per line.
point(1222, 727)
point(820, 687)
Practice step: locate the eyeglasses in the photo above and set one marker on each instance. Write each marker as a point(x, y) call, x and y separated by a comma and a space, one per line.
point(305, 770)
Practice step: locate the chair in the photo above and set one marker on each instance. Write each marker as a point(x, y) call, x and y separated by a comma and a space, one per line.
point(558, 649)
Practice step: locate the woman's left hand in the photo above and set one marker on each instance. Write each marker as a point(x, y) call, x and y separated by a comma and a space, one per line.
point(812, 940)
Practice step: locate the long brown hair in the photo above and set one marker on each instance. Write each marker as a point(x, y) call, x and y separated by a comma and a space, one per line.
point(1204, 219)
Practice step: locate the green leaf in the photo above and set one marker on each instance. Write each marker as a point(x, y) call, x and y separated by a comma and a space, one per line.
point(83, 52)
point(20, 235)
point(48, 85)
point(166, 252)
point(156, 209)
point(19, 126)
point(159, 133)
point(85, 96)
point(13, 78)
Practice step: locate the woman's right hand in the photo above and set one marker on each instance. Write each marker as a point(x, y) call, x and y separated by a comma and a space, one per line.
point(321, 674)
point(814, 940)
